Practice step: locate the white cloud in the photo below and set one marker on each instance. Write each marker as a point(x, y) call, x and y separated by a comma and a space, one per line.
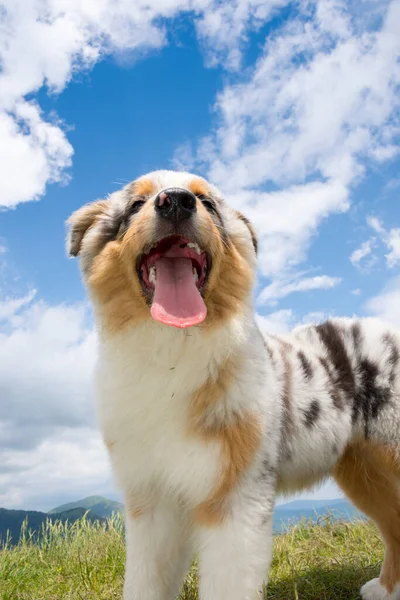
point(289, 120)
point(390, 238)
point(320, 104)
point(328, 490)
point(393, 242)
point(286, 220)
point(314, 317)
point(393, 184)
point(49, 442)
point(321, 95)
point(63, 467)
point(44, 42)
point(280, 321)
point(364, 251)
point(9, 307)
point(386, 305)
point(55, 350)
point(33, 152)
point(280, 288)
point(224, 23)
point(376, 225)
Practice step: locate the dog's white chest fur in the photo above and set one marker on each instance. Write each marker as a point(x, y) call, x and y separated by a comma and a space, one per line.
point(143, 395)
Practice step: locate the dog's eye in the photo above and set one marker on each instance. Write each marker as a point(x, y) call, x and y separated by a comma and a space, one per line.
point(136, 206)
point(208, 204)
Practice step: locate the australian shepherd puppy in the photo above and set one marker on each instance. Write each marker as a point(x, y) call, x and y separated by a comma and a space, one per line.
point(206, 418)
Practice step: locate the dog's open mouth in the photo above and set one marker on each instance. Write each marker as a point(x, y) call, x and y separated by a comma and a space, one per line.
point(173, 274)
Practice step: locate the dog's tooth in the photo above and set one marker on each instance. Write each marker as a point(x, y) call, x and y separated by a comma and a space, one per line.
point(152, 275)
point(195, 247)
point(195, 274)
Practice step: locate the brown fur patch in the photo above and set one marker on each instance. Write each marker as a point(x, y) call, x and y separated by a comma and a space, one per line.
point(239, 443)
point(143, 187)
point(120, 298)
point(113, 278)
point(135, 513)
point(198, 187)
point(81, 220)
point(239, 437)
point(212, 391)
point(231, 278)
point(369, 475)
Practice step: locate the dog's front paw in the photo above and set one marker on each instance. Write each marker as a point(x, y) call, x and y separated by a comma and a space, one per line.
point(373, 590)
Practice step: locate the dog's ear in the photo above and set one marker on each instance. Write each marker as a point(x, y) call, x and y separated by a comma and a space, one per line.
point(79, 223)
point(251, 229)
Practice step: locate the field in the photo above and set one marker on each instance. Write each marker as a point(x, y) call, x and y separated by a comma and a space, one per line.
point(326, 561)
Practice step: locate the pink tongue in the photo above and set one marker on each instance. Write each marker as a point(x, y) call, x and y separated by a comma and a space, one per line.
point(177, 301)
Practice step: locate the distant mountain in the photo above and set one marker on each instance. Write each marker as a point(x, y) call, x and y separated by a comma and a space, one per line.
point(99, 508)
point(11, 521)
point(102, 507)
point(293, 512)
point(306, 504)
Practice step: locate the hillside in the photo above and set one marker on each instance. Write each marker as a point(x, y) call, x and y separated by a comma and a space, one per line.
point(11, 521)
point(86, 562)
point(285, 514)
point(97, 504)
point(100, 508)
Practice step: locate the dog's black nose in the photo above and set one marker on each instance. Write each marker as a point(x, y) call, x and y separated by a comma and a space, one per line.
point(175, 204)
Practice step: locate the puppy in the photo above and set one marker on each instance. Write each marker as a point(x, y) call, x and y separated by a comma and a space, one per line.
point(205, 418)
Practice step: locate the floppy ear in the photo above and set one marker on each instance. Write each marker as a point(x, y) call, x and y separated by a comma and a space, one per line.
point(251, 229)
point(80, 221)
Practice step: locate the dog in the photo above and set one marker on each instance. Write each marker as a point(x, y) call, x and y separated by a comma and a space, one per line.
point(205, 417)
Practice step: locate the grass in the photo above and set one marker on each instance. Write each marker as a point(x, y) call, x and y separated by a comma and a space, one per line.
point(327, 561)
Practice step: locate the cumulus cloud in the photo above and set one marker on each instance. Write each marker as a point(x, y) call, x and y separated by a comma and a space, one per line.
point(322, 94)
point(390, 238)
point(47, 425)
point(54, 349)
point(280, 321)
point(50, 448)
point(45, 42)
point(357, 258)
point(321, 101)
point(62, 467)
point(286, 220)
point(280, 289)
point(9, 307)
point(386, 305)
point(224, 27)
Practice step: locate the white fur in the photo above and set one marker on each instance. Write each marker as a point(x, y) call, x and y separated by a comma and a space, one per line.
point(145, 379)
point(373, 590)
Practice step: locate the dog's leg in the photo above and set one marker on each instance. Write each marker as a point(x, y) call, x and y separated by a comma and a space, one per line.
point(235, 555)
point(370, 477)
point(157, 553)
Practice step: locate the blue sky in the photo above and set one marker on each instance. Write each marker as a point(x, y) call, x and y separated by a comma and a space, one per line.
point(292, 109)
